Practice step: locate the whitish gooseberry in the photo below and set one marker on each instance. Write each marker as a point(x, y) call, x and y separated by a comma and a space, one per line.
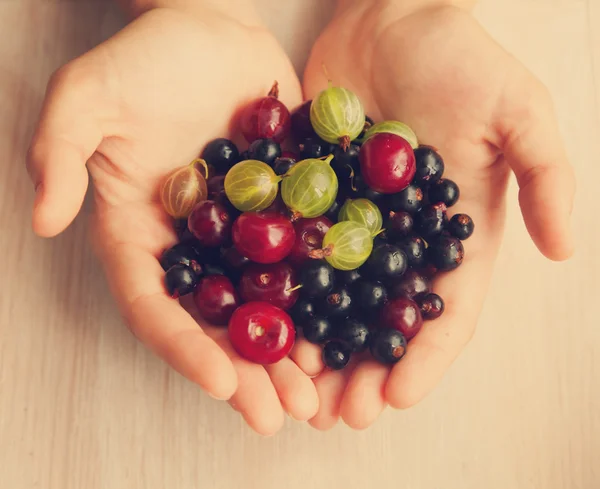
point(183, 188)
point(251, 185)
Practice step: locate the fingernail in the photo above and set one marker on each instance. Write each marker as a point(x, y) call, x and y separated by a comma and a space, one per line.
point(217, 398)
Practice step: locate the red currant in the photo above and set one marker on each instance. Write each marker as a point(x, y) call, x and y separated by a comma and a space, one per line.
point(216, 299)
point(309, 236)
point(274, 283)
point(403, 315)
point(266, 118)
point(210, 223)
point(263, 237)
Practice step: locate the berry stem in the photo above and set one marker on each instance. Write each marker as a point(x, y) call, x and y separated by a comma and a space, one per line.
point(322, 253)
point(202, 163)
point(274, 92)
point(298, 287)
point(345, 142)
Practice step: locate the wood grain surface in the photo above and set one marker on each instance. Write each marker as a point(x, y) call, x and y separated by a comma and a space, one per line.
point(83, 406)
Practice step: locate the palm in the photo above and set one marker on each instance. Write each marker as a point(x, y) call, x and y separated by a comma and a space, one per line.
point(439, 72)
point(152, 102)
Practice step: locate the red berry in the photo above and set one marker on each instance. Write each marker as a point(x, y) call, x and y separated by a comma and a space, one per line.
point(387, 163)
point(216, 299)
point(301, 125)
point(210, 223)
point(263, 237)
point(309, 236)
point(261, 332)
point(413, 285)
point(274, 283)
point(403, 315)
point(266, 118)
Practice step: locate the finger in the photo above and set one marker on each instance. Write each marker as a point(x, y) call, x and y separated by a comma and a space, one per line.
point(330, 385)
point(308, 357)
point(295, 389)
point(535, 150)
point(136, 280)
point(364, 398)
point(67, 135)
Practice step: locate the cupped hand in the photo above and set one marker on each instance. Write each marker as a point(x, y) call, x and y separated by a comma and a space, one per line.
point(439, 71)
point(134, 108)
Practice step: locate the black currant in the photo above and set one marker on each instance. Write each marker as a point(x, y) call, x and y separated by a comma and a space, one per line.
point(183, 253)
point(432, 306)
point(398, 225)
point(244, 155)
point(356, 188)
point(334, 210)
point(409, 200)
point(302, 312)
point(412, 285)
point(347, 277)
point(221, 154)
point(337, 304)
point(368, 123)
point(387, 345)
point(283, 165)
point(336, 355)
point(430, 166)
point(370, 296)
point(317, 330)
point(214, 269)
point(445, 191)
point(354, 333)
point(317, 278)
point(345, 163)
point(431, 220)
point(265, 150)
point(313, 148)
point(387, 262)
point(446, 253)
point(180, 280)
point(414, 248)
point(461, 226)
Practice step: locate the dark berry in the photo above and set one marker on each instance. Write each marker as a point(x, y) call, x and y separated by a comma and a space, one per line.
point(283, 165)
point(347, 277)
point(216, 299)
point(370, 296)
point(337, 304)
point(356, 188)
point(387, 262)
point(334, 210)
point(446, 253)
point(336, 355)
point(180, 280)
point(183, 253)
point(387, 345)
point(414, 249)
point(432, 306)
point(265, 150)
point(313, 148)
point(301, 125)
point(368, 123)
point(461, 226)
point(345, 163)
point(275, 283)
point(216, 188)
point(431, 220)
point(317, 330)
point(398, 225)
point(404, 315)
point(210, 223)
point(317, 278)
point(233, 260)
point(445, 191)
point(408, 200)
point(302, 311)
point(430, 166)
point(412, 285)
point(380, 239)
point(213, 269)
point(244, 155)
point(221, 154)
point(353, 333)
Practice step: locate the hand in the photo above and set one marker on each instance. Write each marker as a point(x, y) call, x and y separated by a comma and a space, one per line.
point(136, 107)
point(437, 70)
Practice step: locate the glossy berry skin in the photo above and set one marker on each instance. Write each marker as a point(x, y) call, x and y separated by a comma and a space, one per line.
point(337, 304)
point(446, 253)
point(431, 220)
point(370, 296)
point(233, 260)
point(345, 163)
point(398, 225)
point(347, 277)
point(430, 166)
point(432, 306)
point(387, 346)
point(387, 163)
point(414, 249)
point(273, 283)
point(354, 333)
point(282, 165)
point(461, 226)
point(266, 118)
point(261, 332)
point(265, 150)
point(309, 237)
point(314, 148)
point(221, 154)
point(216, 188)
point(317, 278)
point(301, 126)
point(336, 355)
point(216, 299)
point(413, 285)
point(183, 253)
point(409, 200)
point(213, 269)
point(445, 191)
point(333, 211)
point(404, 315)
point(386, 263)
point(356, 188)
point(317, 330)
point(180, 280)
point(262, 237)
point(302, 311)
point(210, 223)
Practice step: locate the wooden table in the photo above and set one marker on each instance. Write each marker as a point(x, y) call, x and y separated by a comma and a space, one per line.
point(82, 405)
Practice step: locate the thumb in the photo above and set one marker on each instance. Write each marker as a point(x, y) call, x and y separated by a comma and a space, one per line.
point(534, 149)
point(66, 136)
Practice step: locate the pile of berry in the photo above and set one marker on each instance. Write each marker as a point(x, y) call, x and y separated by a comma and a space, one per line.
point(338, 242)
